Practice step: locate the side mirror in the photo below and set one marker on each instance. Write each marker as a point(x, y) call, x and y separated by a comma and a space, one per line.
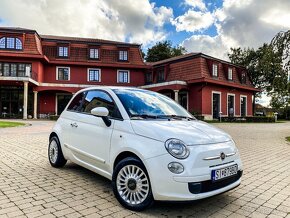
point(103, 113)
point(100, 111)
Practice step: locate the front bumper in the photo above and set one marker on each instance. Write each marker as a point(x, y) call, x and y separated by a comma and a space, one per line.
point(195, 182)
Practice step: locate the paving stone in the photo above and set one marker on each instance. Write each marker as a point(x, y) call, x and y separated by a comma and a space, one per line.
point(30, 187)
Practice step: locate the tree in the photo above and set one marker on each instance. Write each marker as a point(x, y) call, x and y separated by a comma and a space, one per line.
point(281, 90)
point(268, 67)
point(163, 50)
point(249, 58)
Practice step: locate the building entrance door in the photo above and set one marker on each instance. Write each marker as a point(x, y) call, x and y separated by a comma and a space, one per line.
point(243, 106)
point(215, 105)
point(11, 102)
point(183, 100)
point(62, 101)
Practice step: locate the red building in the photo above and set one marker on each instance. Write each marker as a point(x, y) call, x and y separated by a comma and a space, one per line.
point(39, 74)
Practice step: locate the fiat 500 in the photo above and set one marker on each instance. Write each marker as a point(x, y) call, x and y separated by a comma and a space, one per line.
point(149, 146)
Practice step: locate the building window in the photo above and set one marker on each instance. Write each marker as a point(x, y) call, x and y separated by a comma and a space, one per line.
point(215, 70)
point(243, 78)
point(62, 51)
point(15, 69)
point(62, 73)
point(230, 74)
point(94, 53)
point(10, 43)
point(123, 55)
point(160, 75)
point(94, 75)
point(148, 78)
point(123, 76)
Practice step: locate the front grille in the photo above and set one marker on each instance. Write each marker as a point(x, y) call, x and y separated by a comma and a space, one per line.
point(207, 186)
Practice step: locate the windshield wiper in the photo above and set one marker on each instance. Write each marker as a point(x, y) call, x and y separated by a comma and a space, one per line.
point(143, 116)
point(176, 117)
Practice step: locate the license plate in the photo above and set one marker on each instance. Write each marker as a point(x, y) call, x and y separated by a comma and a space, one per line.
point(224, 172)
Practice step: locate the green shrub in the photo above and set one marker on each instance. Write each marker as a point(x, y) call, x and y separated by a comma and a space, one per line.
point(257, 119)
point(53, 117)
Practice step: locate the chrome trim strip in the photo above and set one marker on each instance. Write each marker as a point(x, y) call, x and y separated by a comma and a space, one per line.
point(219, 157)
point(212, 158)
point(231, 154)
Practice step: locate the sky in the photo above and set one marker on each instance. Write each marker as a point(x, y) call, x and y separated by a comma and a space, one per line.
point(208, 26)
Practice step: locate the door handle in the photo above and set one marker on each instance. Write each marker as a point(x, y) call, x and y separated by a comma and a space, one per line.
point(74, 125)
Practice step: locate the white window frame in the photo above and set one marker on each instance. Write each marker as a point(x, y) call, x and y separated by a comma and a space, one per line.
point(122, 59)
point(231, 94)
point(230, 69)
point(57, 73)
point(220, 93)
point(88, 74)
point(244, 96)
point(65, 56)
point(214, 70)
point(118, 76)
point(98, 53)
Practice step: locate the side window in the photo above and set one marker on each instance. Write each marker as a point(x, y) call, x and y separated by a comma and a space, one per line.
point(77, 102)
point(97, 98)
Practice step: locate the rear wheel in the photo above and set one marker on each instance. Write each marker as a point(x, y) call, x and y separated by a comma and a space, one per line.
point(55, 155)
point(131, 184)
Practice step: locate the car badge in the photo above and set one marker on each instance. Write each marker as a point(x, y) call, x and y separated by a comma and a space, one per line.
point(223, 156)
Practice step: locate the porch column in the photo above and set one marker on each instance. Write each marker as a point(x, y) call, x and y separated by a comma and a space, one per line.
point(25, 100)
point(35, 105)
point(176, 95)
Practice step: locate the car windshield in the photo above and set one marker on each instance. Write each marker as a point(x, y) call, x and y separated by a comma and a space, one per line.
point(147, 104)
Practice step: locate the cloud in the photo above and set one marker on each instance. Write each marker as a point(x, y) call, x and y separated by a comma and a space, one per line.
point(193, 21)
point(206, 44)
point(199, 4)
point(246, 23)
point(130, 20)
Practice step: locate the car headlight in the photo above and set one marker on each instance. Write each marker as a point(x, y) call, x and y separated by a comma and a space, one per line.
point(177, 148)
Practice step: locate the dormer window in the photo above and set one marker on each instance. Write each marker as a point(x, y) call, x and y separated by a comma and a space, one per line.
point(94, 53)
point(62, 51)
point(160, 75)
point(215, 70)
point(243, 78)
point(230, 73)
point(10, 43)
point(123, 55)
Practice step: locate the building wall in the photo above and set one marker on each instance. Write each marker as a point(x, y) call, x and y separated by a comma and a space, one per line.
point(79, 75)
point(207, 100)
point(195, 98)
point(46, 102)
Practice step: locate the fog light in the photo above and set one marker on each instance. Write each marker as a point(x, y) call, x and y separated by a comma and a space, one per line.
point(175, 167)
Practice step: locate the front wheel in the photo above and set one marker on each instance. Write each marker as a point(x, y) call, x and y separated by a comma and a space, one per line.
point(55, 155)
point(131, 184)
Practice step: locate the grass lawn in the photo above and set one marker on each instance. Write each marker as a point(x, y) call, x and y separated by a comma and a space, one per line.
point(4, 124)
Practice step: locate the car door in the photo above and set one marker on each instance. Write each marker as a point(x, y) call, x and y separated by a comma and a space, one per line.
point(90, 137)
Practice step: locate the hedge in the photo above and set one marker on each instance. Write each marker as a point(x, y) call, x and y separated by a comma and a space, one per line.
point(256, 119)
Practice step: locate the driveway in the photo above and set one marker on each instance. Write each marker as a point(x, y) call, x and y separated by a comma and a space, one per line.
point(30, 187)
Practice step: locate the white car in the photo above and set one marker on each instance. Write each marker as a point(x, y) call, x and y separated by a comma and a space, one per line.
point(147, 144)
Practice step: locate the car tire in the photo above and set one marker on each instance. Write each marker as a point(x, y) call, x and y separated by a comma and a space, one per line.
point(55, 155)
point(131, 184)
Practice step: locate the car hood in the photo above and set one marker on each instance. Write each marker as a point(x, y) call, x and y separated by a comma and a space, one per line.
point(190, 132)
